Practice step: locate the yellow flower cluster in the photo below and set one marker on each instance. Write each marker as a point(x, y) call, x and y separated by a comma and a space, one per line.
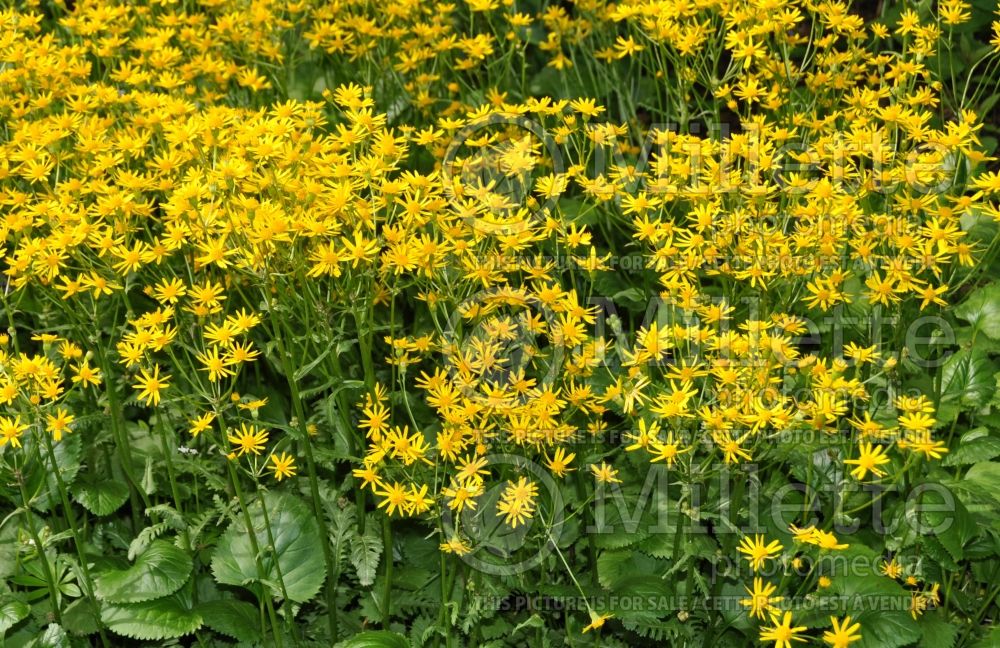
point(239, 196)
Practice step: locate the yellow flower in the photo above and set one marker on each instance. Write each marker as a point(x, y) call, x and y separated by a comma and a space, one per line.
point(248, 439)
point(869, 460)
point(417, 501)
point(762, 600)
point(667, 451)
point(240, 353)
point(892, 569)
point(517, 503)
point(921, 441)
point(214, 364)
point(59, 423)
point(843, 633)
point(150, 385)
point(283, 465)
point(394, 498)
point(11, 431)
point(756, 551)
point(596, 621)
point(559, 463)
point(169, 291)
point(782, 634)
point(456, 546)
point(604, 473)
point(367, 475)
point(462, 496)
point(86, 375)
point(201, 423)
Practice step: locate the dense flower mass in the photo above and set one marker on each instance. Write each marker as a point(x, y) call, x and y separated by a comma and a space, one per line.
point(431, 306)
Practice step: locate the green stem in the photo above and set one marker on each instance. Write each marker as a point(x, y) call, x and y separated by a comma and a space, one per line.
point(277, 566)
point(387, 585)
point(78, 545)
point(300, 414)
point(979, 615)
point(234, 479)
point(358, 449)
point(444, 595)
point(121, 440)
point(161, 427)
point(46, 568)
point(588, 520)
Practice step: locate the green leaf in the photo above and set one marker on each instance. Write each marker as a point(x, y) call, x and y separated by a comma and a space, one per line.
point(42, 480)
point(938, 511)
point(79, 618)
point(149, 477)
point(236, 619)
point(297, 551)
point(609, 566)
point(365, 553)
point(343, 521)
point(975, 446)
point(982, 310)
point(375, 639)
point(101, 498)
point(159, 571)
point(164, 618)
point(881, 605)
point(985, 475)
point(53, 637)
point(12, 611)
point(643, 598)
point(968, 378)
point(937, 632)
point(991, 640)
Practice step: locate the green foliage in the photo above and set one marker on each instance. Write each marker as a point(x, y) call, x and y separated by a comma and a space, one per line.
point(375, 639)
point(12, 610)
point(982, 310)
point(164, 618)
point(160, 570)
point(232, 618)
point(101, 498)
point(209, 140)
point(295, 565)
point(366, 549)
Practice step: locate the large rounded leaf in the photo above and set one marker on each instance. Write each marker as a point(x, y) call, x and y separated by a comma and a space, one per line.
point(880, 605)
point(101, 498)
point(968, 378)
point(41, 479)
point(982, 310)
point(12, 611)
point(165, 618)
point(297, 557)
point(236, 619)
point(159, 571)
point(375, 639)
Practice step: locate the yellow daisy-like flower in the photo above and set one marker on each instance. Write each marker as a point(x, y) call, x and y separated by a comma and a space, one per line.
point(604, 473)
point(249, 439)
point(843, 633)
point(756, 551)
point(200, 424)
point(150, 385)
point(59, 423)
point(871, 457)
point(455, 545)
point(783, 634)
point(11, 430)
point(596, 621)
point(761, 599)
point(283, 465)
